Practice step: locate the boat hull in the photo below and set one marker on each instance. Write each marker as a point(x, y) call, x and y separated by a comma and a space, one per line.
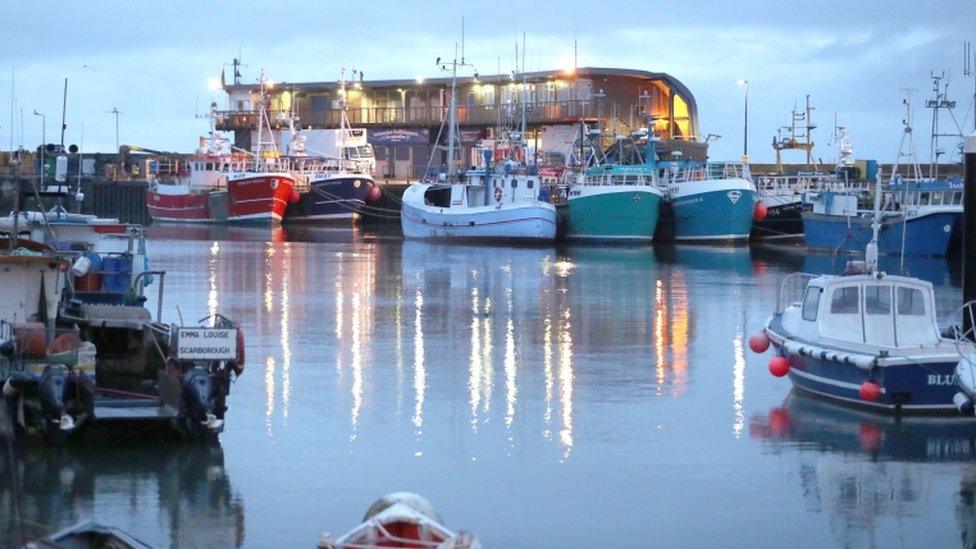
point(714, 210)
point(921, 388)
point(534, 222)
point(331, 198)
point(925, 235)
point(252, 199)
point(613, 212)
point(784, 219)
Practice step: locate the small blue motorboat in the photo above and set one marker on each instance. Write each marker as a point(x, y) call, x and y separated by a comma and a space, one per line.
point(871, 339)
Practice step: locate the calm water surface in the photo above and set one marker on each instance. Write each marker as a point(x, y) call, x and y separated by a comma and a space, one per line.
point(572, 396)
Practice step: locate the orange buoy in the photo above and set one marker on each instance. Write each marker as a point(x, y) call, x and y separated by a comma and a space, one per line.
point(759, 342)
point(65, 342)
point(870, 391)
point(760, 211)
point(779, 366)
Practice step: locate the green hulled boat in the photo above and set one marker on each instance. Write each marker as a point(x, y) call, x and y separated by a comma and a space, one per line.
point(614, 202)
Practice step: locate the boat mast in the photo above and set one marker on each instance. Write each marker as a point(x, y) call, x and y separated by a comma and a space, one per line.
point(871, 252)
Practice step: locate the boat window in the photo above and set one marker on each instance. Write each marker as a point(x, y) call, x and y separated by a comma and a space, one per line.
point(923, 199)
point(530, 183)
point(936, 199)
point(631, 179)
point(910, 302)
point(877, 300)
point(514, 183)
point(810, 303)
point(957, 198)
point(844, 301)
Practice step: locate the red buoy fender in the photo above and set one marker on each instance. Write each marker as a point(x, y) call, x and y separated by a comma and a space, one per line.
point(760, 211)
point(870, 391)
point(31, 339)
point(779, 366)
point(374, 193)
point(295, 196)
point(759, 342)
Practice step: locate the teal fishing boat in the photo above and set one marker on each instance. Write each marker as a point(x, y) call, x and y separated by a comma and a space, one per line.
point(713, 202)
point(614, 202)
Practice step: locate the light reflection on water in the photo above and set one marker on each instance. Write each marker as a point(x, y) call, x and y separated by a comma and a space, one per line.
point(519, 387)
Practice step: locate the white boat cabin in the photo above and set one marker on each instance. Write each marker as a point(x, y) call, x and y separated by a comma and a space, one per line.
point(872, 310)
point(487, 188)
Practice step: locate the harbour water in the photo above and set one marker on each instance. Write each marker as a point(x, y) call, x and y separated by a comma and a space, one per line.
point(555, 397)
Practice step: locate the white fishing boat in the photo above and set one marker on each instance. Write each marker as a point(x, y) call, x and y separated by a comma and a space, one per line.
point(498, 201)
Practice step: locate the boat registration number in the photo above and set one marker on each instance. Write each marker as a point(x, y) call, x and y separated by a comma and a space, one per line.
point(206, 344)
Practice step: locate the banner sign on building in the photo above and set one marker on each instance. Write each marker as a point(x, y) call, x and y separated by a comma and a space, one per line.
point(399, 136)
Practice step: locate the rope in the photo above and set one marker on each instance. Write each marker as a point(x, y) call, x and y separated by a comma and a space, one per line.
point(362, 208)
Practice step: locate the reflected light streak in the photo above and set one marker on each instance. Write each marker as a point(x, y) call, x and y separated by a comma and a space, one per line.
point(356, 365)
point(738, 385)
point(269, 391)
point(419, 371)
point(285, 333)
point(659, 312)
point(487, 368)
point(338, 316)
point(268, 279)
point(679, 335)
point(511, 390)
point(212, 301)
point(474, 368)
point(398, 320)
point(547, 371)
point(566, 384)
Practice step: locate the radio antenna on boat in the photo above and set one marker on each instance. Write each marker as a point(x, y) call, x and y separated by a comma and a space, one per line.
point(908, 136)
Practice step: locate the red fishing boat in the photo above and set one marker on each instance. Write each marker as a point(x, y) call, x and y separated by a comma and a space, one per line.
point(224, 185)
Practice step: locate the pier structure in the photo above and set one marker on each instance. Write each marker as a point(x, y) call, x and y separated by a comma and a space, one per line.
point(403, 116)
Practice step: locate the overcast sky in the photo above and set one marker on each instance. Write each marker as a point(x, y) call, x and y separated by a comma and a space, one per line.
point(153, 60)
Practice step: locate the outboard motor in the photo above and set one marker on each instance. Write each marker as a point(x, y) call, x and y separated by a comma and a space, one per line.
point(198, 397)
point(51, 392)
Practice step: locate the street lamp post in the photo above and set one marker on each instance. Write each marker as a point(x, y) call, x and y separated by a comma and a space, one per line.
point(745, 122)
point(43, 144)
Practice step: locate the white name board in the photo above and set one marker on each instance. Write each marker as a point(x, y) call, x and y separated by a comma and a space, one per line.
point(206, 344)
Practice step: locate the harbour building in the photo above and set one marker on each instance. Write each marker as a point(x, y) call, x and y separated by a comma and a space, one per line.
point(403, 117)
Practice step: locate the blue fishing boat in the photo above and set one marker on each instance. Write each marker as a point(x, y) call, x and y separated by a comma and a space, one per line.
point(710, 202)
point(917, 219)
point(870, 339)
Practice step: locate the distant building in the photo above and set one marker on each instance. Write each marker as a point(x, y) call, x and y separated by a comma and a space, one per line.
point(403, 116)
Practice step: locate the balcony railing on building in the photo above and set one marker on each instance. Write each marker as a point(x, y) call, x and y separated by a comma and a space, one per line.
point(428, 115)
